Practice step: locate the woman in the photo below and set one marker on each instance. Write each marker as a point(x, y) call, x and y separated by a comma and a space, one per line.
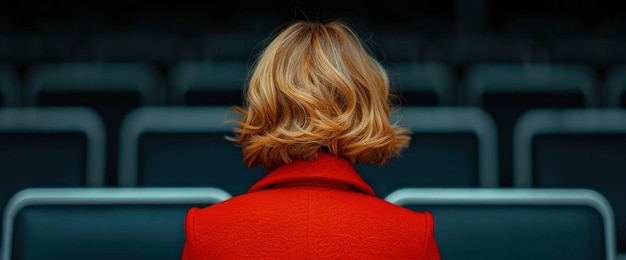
point(317, 102)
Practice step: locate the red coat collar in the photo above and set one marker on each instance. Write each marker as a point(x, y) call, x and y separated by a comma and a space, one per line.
point(326, 168)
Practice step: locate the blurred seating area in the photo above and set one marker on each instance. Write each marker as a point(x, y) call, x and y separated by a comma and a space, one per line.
point(524, 95)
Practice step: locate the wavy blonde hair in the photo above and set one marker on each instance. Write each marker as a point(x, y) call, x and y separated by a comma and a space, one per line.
point(315, 88)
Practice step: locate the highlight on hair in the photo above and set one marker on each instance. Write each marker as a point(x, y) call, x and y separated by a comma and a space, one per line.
point(316, 87)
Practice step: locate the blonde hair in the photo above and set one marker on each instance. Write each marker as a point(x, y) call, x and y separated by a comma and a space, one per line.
point(315, 88)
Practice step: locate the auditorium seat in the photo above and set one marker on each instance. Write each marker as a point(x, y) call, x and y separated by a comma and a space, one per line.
point(233, 45)
point(207, 83)
point(543, 27)
point(156, 48)
point(450, 147)
point(505, 91)
point(183, 146)
point(101, 223)
point(49, 147)
point(597, 52)
point(23, 48)
point(465, 51)
point(111, 89)
point(512, 223)
point(575, 148)
point(422, 83)
point(616, 87)
point(400, 46)
point(9, 86)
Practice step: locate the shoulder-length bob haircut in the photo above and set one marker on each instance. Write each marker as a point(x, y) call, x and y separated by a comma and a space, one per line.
point(316, 87)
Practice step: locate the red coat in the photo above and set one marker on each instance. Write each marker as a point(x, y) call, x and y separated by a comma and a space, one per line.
point(309, 210)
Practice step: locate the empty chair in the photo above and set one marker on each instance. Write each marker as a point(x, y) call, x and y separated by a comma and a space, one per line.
point(575, 148)
point(208, 83)
point(49, 147)
point(506, 91)
point(466, 51)
point(232, 45)
point(450, 147)
point(616, 87)
point(9, 88)
point(422, 84)
point(542, 27)
point(598, 52)
point(183, 146)
point(169, 25)
point(101, 223)
point(111, 89)
point(401, 46)
point(23, 48)
point(510, 223)
point(156, 48)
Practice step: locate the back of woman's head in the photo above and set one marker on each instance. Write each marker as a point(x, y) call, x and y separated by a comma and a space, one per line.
point(316, 88)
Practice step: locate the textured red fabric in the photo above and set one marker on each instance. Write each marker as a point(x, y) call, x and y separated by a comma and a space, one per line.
point(318, 209)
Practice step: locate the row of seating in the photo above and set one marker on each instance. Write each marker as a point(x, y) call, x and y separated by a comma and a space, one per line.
point(148, 223)
point(391, 44)
point(452, 147)
point(222, 83)
point(504, 91)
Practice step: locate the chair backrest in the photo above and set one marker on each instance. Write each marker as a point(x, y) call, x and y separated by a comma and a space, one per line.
point(400, 46)
point(542, 27)
point(111, 89)
point(183, 146)
point(465, 51)
point(450, 147)
point(597, 51)
point(101, 223)
point(49, 147)
point(422, 84)
point(208, 83)
point(82, 78)
point(9, 86)
point(23, 48)
point(156, 48)
point(505, 91)
point(486, 80)
point(235, 44)
point(510, 223)
point(575, 148)
point(616, 87)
